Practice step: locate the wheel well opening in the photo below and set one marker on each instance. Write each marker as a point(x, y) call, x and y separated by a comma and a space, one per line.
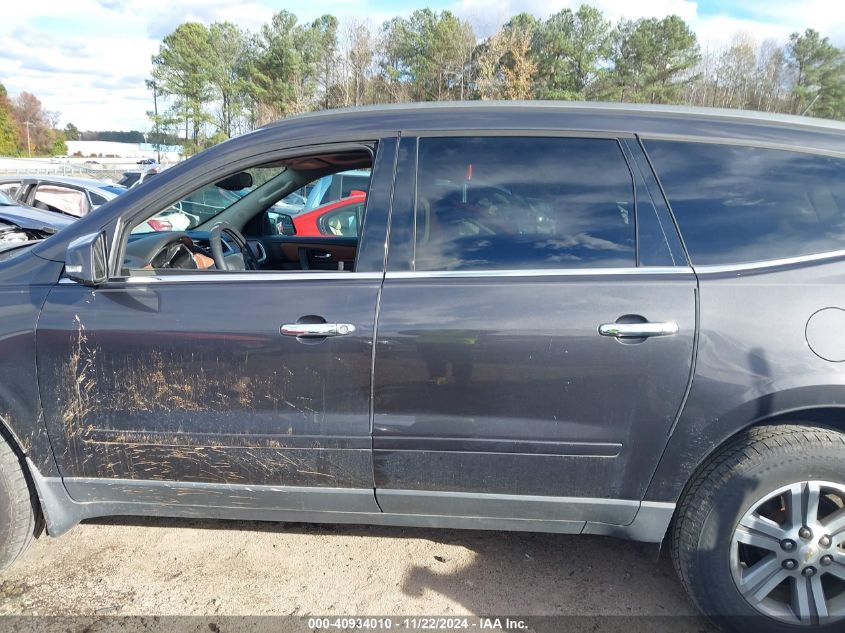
point(821, 417)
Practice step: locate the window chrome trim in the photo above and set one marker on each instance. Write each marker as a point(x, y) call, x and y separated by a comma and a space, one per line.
point(771, 263)
point(213, 277)
point(542, 272)
point(753, 143)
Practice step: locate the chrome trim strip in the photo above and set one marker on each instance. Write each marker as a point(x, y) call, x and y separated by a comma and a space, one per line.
point(741, 142)
point(551, 272)
point(215, 277)
point(772, 263)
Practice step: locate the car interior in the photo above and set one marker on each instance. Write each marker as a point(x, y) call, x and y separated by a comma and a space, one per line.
point(244, 222)
point(60, 199)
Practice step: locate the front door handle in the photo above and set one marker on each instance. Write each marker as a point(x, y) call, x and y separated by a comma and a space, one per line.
point(313, 330)
point(638, 330)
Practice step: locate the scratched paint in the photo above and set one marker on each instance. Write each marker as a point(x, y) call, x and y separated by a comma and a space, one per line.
point(199, 403)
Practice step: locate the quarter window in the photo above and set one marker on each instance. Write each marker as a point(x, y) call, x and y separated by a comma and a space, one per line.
point(523, 203)
point(738, 204)
point(10, 189)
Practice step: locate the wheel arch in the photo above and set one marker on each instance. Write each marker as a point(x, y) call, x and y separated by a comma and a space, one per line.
point(11, 438)
point(831, 416)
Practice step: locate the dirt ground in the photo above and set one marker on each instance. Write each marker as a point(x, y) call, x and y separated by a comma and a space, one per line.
point(168, 567)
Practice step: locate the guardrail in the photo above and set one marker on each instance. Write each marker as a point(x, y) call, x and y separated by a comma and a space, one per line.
point(64, 169)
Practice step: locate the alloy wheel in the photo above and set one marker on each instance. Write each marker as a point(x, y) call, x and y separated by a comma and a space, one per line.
point(788, 554)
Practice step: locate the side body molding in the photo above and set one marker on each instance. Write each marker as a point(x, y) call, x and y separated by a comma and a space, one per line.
point(279, 503)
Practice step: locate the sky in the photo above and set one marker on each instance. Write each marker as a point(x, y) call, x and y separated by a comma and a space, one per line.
point(88, 59)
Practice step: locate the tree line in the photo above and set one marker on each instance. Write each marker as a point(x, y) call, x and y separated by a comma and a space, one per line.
point(27, 129)
point(222, 80)
point(25, 113)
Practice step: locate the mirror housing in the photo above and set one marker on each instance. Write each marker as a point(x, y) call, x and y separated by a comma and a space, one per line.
point(235, 182)
point(86, 261)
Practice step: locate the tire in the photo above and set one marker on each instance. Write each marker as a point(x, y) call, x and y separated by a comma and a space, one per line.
point(758, 479)
point(18, 515)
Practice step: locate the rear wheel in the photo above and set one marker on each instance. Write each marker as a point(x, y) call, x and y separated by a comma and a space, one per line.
point(759, 540)
point(17, 511)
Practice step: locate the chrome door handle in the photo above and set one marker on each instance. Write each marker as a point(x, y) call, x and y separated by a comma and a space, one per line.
point(638, 330)
point(313, 330)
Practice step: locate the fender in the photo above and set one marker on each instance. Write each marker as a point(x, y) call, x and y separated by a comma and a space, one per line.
point(699, 433)
point(20, 401)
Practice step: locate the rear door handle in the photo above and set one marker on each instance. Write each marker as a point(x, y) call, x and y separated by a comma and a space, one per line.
point(313, 330)
point(638, 330)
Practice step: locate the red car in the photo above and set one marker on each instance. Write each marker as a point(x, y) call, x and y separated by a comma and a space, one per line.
point(341, 218)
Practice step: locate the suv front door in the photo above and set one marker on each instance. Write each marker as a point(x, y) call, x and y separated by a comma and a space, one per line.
point(496, 393)
point(177, 387)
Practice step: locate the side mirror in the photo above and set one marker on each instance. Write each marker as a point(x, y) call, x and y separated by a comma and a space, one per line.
point(280, 223)
point(86, 261)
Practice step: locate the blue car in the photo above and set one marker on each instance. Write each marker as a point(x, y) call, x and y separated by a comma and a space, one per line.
point(20, 224)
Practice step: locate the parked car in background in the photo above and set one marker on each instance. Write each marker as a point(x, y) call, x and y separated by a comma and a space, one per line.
point(330, 206)
point(134, 177)
point(74, 197)
point(341, 218)
point(568, 318)
point(334, 187)
point(20, 224)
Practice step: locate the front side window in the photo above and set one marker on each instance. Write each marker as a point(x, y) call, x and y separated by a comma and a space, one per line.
point(207, 202)
point(738, 204)
point(253, 220)
point(523, 203)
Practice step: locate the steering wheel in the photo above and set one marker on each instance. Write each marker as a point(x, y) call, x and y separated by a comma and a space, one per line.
point(248, 260)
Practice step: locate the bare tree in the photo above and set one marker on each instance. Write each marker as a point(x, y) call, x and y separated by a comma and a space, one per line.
point(359, 61)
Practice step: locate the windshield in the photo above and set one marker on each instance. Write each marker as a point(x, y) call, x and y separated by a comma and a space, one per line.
point(6, 201)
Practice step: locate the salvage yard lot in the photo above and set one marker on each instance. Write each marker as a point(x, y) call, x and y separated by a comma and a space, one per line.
point(146, 566)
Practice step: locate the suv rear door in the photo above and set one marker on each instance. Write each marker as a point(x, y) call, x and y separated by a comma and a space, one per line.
point(495, 394)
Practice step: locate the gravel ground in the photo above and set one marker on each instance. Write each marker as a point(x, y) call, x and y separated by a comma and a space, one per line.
point(167, 567)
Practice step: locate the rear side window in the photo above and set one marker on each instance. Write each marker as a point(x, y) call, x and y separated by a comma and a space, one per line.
point(96, 199)
point(739, 204)
point(61, 199)
point(523, 203)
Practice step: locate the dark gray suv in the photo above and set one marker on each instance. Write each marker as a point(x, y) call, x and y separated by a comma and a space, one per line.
point(556, 318)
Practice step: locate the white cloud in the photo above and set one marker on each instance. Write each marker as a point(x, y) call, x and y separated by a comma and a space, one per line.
point(488, 15)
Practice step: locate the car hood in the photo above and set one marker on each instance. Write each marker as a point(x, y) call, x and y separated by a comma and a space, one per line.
point(32, 219)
